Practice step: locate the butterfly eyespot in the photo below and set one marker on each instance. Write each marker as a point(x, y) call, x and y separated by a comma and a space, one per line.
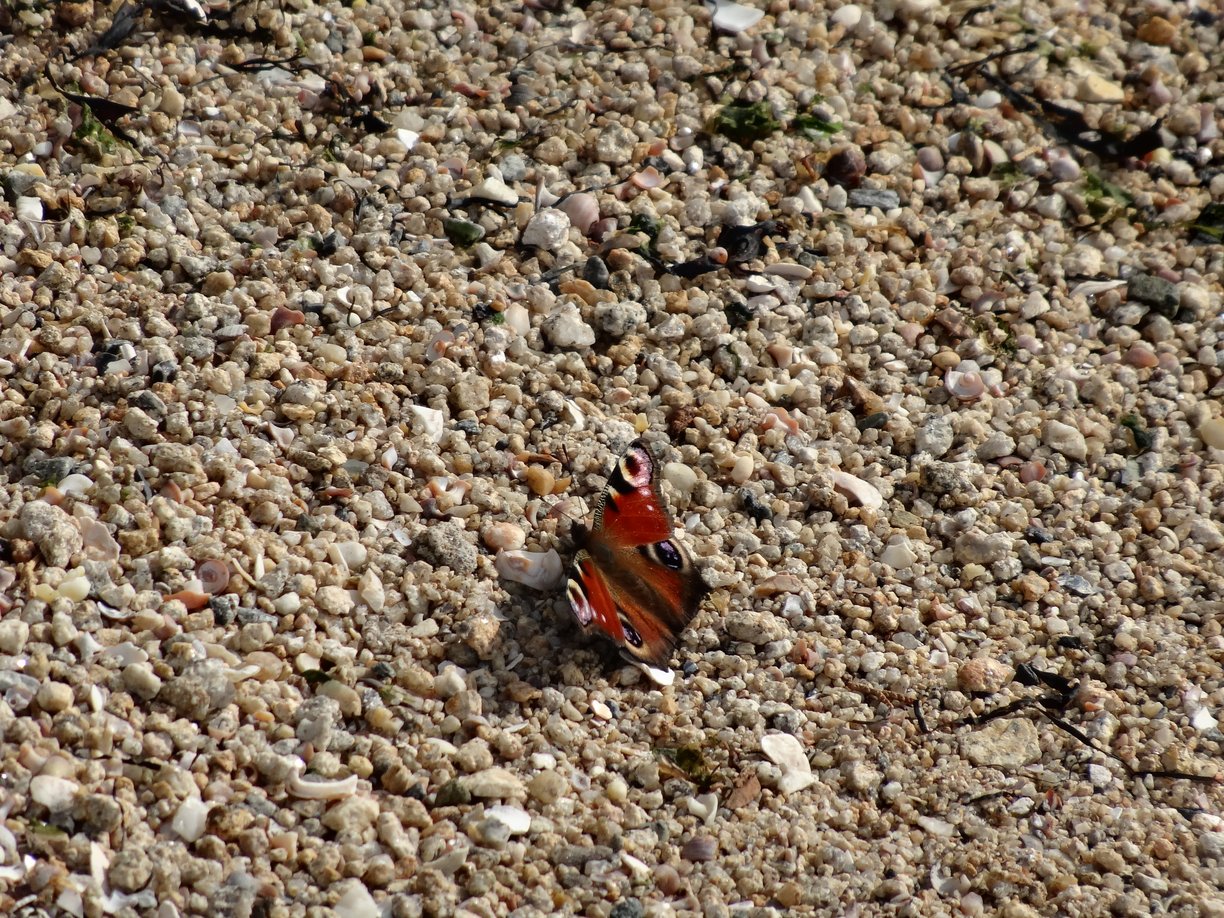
point(669, 555)
point(631, 635)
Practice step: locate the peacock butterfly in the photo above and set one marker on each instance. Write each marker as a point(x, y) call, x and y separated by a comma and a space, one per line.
point(631, 579)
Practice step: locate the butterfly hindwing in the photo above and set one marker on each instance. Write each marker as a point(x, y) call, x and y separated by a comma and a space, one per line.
point(633, 580)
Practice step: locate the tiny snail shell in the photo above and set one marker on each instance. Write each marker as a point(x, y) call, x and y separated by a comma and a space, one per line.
point(214, 576)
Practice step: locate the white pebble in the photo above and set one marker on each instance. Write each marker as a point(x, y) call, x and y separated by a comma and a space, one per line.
point(864, 493)
point(547, 230)
point(370, 589)
point(848, 16)
point(190, 819)
point(742, 470)
point(680, 477)
point(356, 902)
point(53, 792)
point(351, 555)
point(429, 421)
point(516, 820)
point(332, 353)
point(75, 485)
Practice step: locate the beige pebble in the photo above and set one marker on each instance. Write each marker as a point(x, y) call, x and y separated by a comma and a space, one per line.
point(1212, 433)
point(983, 675)
point(54, 697)
point(503, 536)
point(540, 480)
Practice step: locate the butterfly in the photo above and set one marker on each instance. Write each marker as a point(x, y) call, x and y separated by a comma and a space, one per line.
point(631, 580)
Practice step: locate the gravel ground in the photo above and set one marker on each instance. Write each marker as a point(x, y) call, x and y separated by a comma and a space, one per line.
point(320, 324)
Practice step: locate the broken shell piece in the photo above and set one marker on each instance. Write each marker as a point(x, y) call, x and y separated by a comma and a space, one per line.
point(582, 209)
point(97, 541)
point(320, 790)
point(866, 494)
point(704, 807)
point(495, 190)
point(540, 570)
point(660, 677)
point(786, 752)
point(648, 178)
point(789, 270)
point(735, 17)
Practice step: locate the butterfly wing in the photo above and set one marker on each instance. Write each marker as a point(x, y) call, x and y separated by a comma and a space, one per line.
point(632, 580)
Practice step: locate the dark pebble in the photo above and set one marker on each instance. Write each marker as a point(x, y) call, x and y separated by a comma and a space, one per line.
point(627, 908)
point(595, 272)
point(1156, 292)
point(867, 197)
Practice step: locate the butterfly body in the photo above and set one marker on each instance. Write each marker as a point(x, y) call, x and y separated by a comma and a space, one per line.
point(631, 579)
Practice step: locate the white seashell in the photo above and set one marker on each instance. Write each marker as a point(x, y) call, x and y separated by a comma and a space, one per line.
point(647, 178)
point(782, 353)
point(320, 790)
point(704, 806)
point(429, 421)
point(495, 190)
point(516, 820)
point(190, 819)
point(449, 862)
point(53, 792)
point(126, 653)
point(660, 677)
point(1095, 288)
point(640, 870)
point(789, 270)
point(282, 435)
point(582, 209)
point(540, 570)
point(786, 752)
point(965, 382)
point(863, 492)
point(735, 17)
point(576, 416)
